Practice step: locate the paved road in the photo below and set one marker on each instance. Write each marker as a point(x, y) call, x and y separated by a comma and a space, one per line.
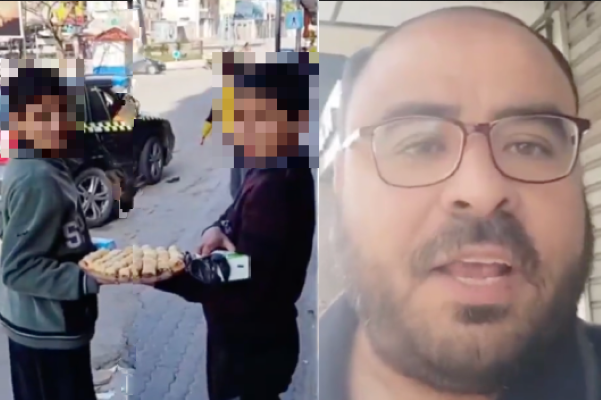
point(160, 334)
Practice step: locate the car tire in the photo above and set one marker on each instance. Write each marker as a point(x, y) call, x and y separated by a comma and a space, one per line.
point(152, 70)
point(152, 161)
point(97, 206)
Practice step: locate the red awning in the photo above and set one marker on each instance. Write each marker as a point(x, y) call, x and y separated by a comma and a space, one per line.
point(113, 35)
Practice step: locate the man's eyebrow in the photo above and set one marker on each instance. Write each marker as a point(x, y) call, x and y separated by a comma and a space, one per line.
point(453, 111)
point(421, 108)
point(527, 109)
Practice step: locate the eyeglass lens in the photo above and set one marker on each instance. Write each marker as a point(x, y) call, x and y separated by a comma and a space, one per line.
point(419, 151)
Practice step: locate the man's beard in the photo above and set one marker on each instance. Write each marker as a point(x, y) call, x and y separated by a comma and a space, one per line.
point(406, 340)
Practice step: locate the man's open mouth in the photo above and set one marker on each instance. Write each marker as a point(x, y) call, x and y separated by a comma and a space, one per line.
point(477, 271)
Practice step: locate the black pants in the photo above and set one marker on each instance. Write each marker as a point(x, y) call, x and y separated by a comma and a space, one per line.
point(252, 364)
point(51, 374)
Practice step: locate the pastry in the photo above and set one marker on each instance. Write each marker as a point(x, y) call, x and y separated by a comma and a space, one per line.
point(134, 263)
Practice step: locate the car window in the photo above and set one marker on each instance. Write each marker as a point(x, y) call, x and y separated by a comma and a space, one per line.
point(109, 100)
point(98, 107)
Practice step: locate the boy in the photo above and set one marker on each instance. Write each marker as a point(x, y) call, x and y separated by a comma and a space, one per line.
point(48, 305)
point(253, 338)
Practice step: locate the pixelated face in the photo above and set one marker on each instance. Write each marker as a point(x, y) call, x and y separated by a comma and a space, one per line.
point(259, 127)
point(46, 123)
point(463, 280)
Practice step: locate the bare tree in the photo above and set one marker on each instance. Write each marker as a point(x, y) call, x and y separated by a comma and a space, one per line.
point(44, 12)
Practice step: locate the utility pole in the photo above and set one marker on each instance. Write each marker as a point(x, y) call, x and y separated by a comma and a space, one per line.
point(299, 31)
point(141, 8)
point(278, 25)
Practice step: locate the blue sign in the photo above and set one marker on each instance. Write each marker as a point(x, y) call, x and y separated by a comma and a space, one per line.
point(102, 243)
point(295, 20)
point(177, 55)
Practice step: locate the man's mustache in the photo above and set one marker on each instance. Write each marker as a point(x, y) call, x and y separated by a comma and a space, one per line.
point(501, 229)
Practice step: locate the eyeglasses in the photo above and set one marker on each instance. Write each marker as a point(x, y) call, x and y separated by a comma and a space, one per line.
point(420, 151)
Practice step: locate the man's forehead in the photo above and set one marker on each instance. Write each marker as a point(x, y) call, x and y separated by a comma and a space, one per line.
point(446, 62)
point(459, 34)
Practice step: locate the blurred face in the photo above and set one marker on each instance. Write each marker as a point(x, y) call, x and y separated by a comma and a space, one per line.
point(45, 123)
point(464, 280)
point(262, 129)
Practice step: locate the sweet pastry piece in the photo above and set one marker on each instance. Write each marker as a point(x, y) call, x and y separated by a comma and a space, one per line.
point(134, 263)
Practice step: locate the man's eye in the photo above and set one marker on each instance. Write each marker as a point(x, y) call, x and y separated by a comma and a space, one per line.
point(530, 149)
point(422, 148)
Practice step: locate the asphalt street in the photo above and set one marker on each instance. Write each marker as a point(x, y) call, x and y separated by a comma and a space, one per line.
point(159, 335)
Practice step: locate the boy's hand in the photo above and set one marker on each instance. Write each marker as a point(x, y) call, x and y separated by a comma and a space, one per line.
point(214, 239)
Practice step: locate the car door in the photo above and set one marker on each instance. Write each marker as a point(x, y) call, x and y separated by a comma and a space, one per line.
point(119, 143)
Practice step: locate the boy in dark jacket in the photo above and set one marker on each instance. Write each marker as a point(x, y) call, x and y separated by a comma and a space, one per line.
point(253, 339)
point(48, 305)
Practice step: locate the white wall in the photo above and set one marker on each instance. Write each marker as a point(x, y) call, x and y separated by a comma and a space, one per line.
point(345, 40)
point(95, 6)
point(172, 12)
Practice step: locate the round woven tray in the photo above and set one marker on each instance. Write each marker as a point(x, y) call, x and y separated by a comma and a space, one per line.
point(146, 280)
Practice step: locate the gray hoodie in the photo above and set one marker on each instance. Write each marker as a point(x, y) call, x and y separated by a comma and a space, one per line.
point(46, 300)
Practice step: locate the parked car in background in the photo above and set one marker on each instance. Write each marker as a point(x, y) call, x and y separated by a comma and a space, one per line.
point(148, 66)
point(117, 83)
point(110, 145)
point(115, 149)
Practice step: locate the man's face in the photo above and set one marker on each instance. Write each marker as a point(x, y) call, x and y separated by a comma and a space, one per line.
point(45, 122)
point(262, 129)
point(456, 334)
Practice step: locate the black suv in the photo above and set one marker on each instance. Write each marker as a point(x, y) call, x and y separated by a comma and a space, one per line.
point(116, 150)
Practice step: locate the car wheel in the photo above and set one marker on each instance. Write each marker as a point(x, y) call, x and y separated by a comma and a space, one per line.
point(152, 70)
point(152, 161)
point(96, 196)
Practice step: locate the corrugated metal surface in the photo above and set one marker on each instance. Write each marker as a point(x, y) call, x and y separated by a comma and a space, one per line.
point(584, 50)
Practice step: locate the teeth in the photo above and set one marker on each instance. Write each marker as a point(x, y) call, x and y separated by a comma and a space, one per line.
point(478, 282)
point(483, 261)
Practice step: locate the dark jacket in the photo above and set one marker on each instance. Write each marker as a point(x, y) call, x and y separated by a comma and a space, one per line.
point(272, 220)
point(236, 179)
point(571, 370)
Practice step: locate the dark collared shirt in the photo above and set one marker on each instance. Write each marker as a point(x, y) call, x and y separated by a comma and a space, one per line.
point(571, 372)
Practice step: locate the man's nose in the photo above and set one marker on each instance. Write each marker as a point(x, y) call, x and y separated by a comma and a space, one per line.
point(478, 187)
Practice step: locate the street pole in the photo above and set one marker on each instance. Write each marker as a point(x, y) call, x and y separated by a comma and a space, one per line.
point(142, 21)
point(299, 31)
point(278, 25)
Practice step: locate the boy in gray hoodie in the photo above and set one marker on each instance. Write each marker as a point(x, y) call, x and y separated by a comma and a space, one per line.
point(48, 305)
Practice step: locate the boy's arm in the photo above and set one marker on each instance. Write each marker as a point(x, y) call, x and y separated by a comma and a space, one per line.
point(184, 286)
point(35, 211)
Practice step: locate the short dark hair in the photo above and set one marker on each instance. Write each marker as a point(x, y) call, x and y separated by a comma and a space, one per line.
point(357, 63)
point(289, 83)
point(32, 82)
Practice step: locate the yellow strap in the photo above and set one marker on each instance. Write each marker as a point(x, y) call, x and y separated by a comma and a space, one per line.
point(206, 130)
